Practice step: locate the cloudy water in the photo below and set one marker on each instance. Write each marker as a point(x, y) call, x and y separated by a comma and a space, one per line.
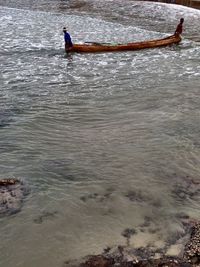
point(104, 142)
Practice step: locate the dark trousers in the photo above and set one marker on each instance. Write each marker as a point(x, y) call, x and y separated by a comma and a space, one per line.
point(68, 47)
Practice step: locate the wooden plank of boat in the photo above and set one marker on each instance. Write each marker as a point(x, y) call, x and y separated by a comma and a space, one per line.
point(97, 47)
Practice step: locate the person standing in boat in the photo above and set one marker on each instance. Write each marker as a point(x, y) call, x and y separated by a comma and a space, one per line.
point(68, 41)
point(179, 27)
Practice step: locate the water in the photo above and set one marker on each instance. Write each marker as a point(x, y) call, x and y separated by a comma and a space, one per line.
point(104, 141)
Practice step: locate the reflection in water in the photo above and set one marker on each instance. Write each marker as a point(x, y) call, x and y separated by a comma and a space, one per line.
point(69, 57)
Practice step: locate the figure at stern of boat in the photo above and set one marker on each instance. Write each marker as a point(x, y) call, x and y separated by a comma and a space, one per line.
point(68, 41)
point(179, 27)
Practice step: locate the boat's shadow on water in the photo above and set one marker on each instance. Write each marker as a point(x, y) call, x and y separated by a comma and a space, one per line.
point(59, 53)
point(68, 56)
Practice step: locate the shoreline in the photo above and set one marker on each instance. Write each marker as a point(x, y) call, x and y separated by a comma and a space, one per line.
point(126, 256)
point(189, 3)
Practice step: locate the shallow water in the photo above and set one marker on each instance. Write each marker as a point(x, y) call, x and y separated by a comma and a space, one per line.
point(105, 141)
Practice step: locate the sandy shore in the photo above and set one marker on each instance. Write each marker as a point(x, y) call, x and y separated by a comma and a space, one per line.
point(189, 3)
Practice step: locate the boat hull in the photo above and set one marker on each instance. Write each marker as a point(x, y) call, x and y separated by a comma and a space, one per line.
point(95, 47)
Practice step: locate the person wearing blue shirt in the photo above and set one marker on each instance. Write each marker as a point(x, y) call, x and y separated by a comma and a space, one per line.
point(68, 41)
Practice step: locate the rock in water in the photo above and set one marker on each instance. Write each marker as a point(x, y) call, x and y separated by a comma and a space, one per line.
point(12, 193)
point(192, 249)
point(98, 261)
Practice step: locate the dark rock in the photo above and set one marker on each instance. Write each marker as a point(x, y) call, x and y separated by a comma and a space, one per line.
point(147, 222)
point(137, 196)
point(106, 250)
point(186, 190)
point(153, 230)
point(172, 239)
point(98, 261)
point(157, 203)
point(83, 198)
point(7, 182)
point(90, 196)
point(45, 216)
point(166, 262)
point(182, 215)
point(98, 197)
point(127, 233)
point(101, 261)
point(192, 248)
point(12, 193)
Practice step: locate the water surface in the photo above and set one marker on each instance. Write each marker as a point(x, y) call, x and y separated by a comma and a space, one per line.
point(104, 141)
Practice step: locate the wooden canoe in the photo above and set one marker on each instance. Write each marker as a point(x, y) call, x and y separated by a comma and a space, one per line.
point(98, 47)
